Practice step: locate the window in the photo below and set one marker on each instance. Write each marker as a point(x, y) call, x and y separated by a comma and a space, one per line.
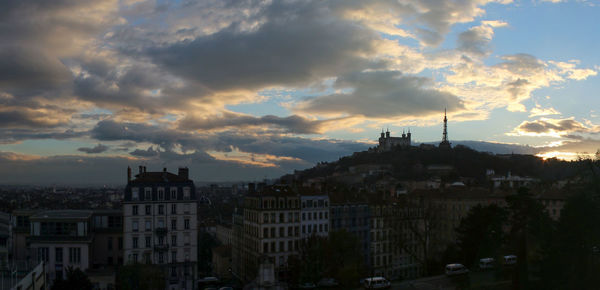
point(265, 233)
point(282, 232)
point(320, 228)
point(173, 224)
point(161, 209)
point(174, 208)
point(265, 218)
point(281, 247)
point(186, 208)
point(134, 242)
point(303, 229)
point(75, 255)
point(161, 193)
point(186, 240)
point(148, 193)
point(326, 213)
point(320, 215)
point(174, 256)
point(148, 209)
point(326, 227)
point(272, 232)
point(148, 242)
point(173, 193)
point(135, 194)
point(58, 254)
point(173, 272)
point(134, 210)
point(43, 254)
point(281, 218)
point(161, 223)
point(265, 247)
point(134, 226)
point(186, 193)
point(147, 258)
point(173, 240)
point(186, 224)
point(161, 258)
point(134, 258)
point(109, 243)
point(303, 216)
point(120, 243)
point(148, 225)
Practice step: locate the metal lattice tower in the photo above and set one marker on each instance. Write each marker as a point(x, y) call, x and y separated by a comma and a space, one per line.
point(445, 135)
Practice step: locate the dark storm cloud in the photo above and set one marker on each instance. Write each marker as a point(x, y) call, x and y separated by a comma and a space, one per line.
point(303, 148)
point(299, 43)
point(291, 124)
point(94, 150)
point(27, 119)
point(14, 135)
point(561, 126)
point(383, 94)
point(150, 152)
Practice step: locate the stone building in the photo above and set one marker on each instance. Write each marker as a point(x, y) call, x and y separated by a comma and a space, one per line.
point(160, 224)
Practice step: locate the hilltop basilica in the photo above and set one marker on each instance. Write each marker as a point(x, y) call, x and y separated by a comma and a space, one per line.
point(386, 142)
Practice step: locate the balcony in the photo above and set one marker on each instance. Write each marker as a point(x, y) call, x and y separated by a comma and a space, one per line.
point(161, 231)
point(161, 248)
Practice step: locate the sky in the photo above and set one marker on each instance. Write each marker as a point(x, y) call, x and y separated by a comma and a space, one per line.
point(246, 90)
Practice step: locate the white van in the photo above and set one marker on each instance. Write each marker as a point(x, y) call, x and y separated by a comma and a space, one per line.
point(377, 283)
point(486, 263)
point(456, 269)
point(510, 260)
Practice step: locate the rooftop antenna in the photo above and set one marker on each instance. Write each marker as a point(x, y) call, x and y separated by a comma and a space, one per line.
point(445, 135)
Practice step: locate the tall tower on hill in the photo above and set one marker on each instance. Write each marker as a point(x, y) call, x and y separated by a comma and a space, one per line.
point(445, 143)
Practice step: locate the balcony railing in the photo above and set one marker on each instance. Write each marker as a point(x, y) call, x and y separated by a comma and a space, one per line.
point(161, 248)
point(162, 231)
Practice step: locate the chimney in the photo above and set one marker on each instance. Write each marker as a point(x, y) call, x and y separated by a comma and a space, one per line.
point(144, 169)
point(183, 172)
point(141, 169)
point(251, 188)
point(164, 169)
point(128, 174)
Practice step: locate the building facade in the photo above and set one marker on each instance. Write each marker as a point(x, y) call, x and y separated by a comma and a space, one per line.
point(160, 224)
point(271, 230)
point(315, 215)
point(354, 218)
point(61, 239)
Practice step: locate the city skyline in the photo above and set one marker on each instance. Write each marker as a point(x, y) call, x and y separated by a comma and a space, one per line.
point(252, 90)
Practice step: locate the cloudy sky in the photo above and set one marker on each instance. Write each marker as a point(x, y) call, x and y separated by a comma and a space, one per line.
point(243, 90)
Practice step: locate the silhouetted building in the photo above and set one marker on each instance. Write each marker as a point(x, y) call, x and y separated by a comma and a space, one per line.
point(160, 224)
point(386, 142)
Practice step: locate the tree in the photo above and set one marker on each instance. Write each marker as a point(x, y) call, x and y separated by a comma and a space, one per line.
point(76, 279)
point(572, 257)
point(480, 233)
point(336, 256)
point(140, 276)
point(530, 227)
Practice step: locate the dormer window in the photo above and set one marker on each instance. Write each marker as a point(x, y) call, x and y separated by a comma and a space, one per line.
point(135, 194)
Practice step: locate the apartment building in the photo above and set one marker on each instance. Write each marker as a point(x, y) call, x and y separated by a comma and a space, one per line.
point(315, 215)
point(160, 224)
point(61, 238)
point(271, 230)
point(353, 217)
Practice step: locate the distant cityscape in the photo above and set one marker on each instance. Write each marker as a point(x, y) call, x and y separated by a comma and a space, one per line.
point(399, 210)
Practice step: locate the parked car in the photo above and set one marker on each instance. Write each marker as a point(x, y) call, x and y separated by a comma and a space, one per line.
point(307, 285)
point(456, 269)
point(486, 263)
point(328, 282)
point(510, 260)
point(376, 283)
